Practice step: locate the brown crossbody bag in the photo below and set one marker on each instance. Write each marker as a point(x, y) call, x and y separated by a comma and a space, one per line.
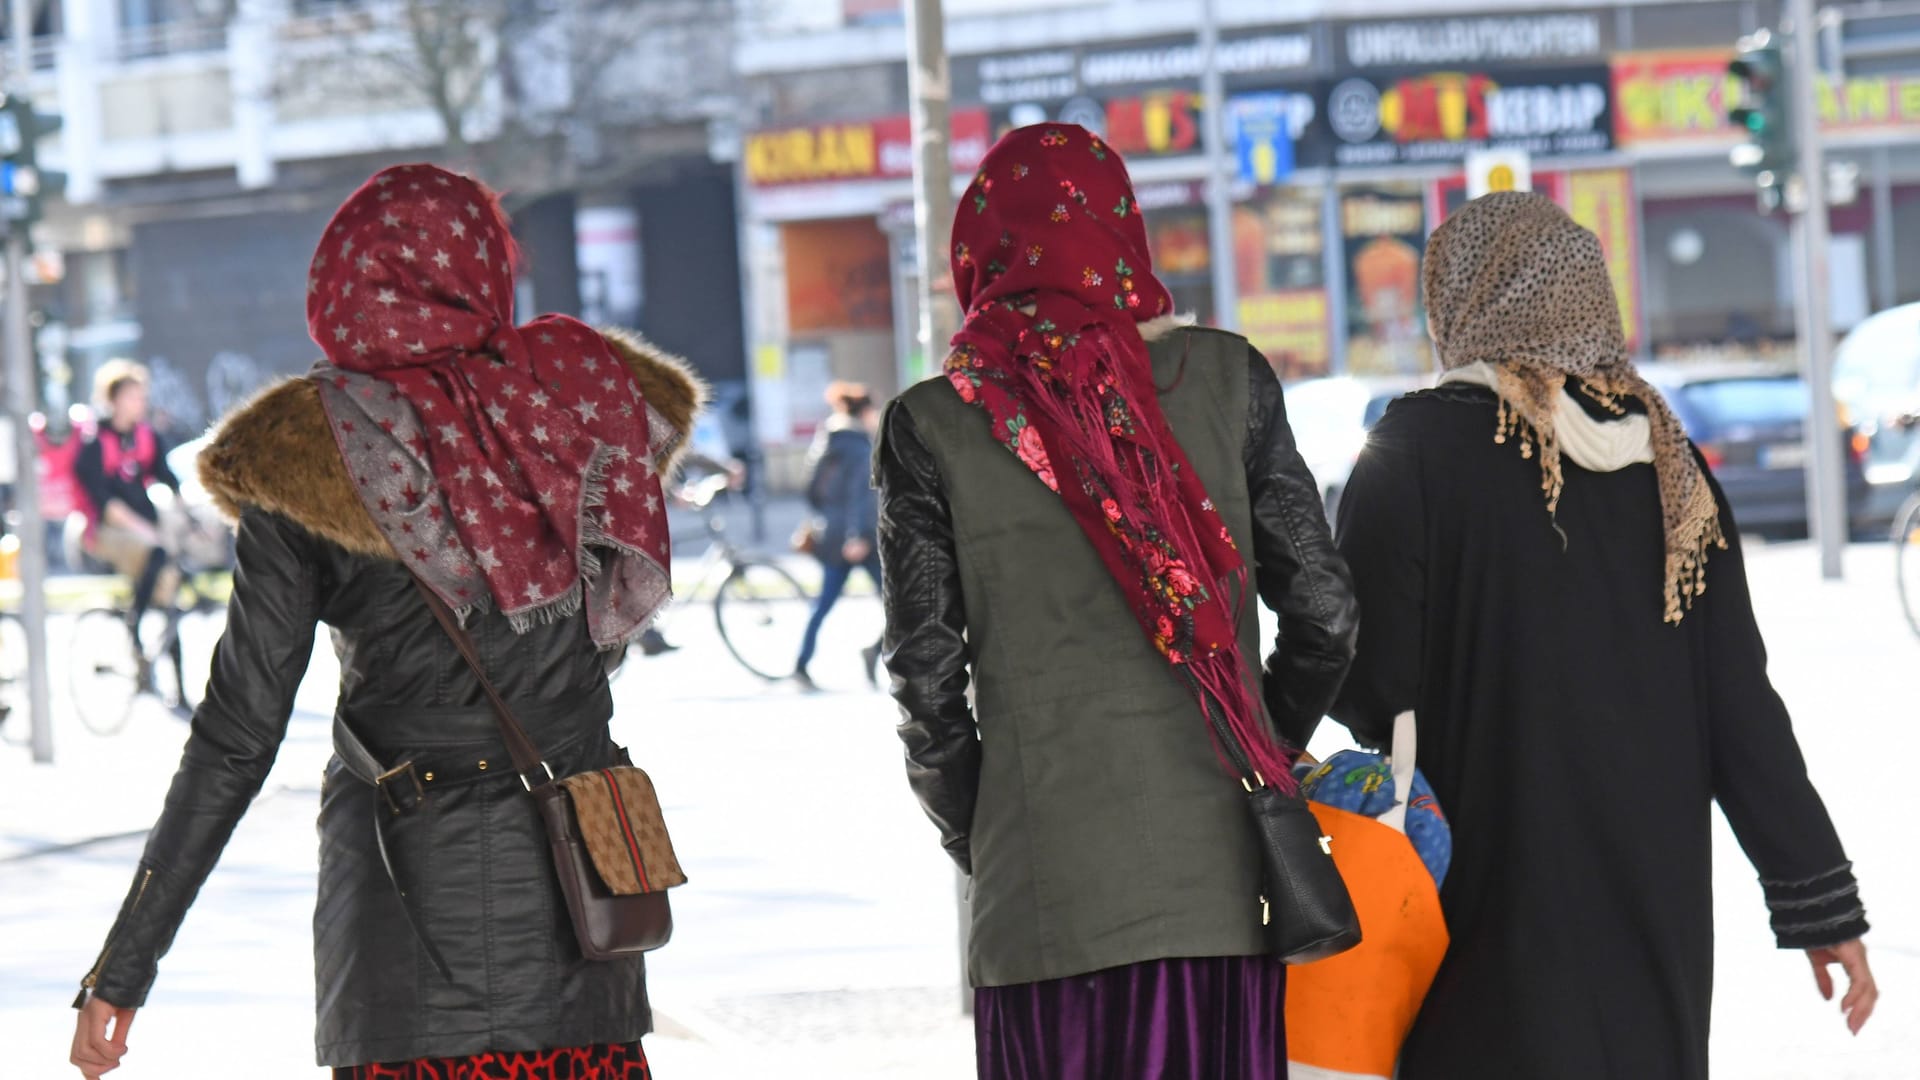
point(610, 845)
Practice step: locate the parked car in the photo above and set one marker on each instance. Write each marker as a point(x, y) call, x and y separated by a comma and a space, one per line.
point(1750, 425)
point(1330, 419)
point(1876, 375)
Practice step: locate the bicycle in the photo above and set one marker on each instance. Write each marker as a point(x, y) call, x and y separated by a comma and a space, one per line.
point(759, 608)
point(111, 678)
point(13, 664)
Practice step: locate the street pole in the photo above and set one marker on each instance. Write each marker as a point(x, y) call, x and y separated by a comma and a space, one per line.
point(930, 89)
point(21, 382)
point(1826, 480)
point(1213, 91)
point(33, 536)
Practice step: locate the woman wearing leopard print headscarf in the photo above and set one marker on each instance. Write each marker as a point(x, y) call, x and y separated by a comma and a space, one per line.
point(1550, 577)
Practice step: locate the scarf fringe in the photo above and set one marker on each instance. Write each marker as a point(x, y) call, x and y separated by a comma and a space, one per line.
point(1691, 517)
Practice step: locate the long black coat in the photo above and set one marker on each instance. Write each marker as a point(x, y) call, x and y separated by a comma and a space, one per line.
point(1575, 742)
point(472, 856)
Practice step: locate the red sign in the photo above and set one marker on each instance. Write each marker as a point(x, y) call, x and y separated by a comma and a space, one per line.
point(1164, 122)
point(863, 150)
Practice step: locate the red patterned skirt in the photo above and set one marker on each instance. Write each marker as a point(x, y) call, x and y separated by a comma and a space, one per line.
point(623, 1061)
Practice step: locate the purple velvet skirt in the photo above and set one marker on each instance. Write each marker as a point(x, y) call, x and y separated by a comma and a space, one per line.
point(1220, 1018)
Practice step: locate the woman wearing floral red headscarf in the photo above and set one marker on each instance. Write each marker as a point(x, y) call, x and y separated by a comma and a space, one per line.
point(1074, 518)
point(513, 470)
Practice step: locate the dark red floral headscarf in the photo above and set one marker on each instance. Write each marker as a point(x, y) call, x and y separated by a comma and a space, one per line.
point(507, 465)
point(1050, 260)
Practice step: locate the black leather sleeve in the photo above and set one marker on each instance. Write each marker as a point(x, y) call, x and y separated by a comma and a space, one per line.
point(1299, 573)
point(926, 646)
point(236, 734)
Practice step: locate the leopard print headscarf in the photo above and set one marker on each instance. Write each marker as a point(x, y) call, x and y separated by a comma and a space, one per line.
point(1512, 281)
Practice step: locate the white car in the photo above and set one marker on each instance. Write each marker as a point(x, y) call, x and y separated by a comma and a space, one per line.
point(1330, 418)
point(1876, 377)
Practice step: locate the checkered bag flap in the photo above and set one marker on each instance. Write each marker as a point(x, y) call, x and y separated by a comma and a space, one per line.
point(626, 836)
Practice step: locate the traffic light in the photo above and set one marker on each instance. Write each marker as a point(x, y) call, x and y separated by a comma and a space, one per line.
point(23, 184)
point(1761, 114)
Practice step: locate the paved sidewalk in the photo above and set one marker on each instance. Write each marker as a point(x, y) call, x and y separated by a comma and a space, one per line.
point(817, 937)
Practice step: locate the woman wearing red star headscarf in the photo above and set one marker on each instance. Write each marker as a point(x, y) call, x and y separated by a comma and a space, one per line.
point(513, 471)
point(1074, 519)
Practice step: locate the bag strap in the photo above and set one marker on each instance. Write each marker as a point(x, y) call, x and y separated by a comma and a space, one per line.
point(526, 755)
point(1230, 746)
point(1405, 745)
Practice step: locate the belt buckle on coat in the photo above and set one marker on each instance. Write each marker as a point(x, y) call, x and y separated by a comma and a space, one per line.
point(405, 769)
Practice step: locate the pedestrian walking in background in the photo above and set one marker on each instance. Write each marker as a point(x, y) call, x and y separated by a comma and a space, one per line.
point(513, 471)
point(115, 469)
point(840, 491)
point(1550, 578)
point(1074, 520)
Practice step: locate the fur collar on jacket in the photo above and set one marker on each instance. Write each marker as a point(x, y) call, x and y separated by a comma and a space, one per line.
point(277, 452)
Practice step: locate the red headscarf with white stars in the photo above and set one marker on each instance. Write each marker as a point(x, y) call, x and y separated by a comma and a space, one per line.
point(507, 465)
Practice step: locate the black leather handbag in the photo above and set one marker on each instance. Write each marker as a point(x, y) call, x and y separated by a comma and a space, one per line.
point(1305, 911)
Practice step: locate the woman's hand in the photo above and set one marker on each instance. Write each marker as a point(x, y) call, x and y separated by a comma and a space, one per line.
point(1862, 994)
point(856, 550)
point(94, 1053)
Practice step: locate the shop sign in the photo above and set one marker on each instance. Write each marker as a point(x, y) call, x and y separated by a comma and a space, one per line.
point(1472, 41)
point(1165, 122)
point(1265, 127)
point(812, 154)
point(894, 136)
point(1052, 76)
point(1489, 171)
point(1665, 97)
point(864, 150)
point(1440, 116)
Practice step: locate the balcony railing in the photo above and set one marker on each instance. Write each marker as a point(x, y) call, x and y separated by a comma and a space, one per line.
point(169, 39)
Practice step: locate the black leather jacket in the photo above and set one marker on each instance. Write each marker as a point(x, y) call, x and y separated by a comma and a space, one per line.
point(480, 954)
point(471, 855)
point(1297, 571)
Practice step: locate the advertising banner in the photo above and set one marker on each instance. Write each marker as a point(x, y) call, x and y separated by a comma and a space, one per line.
point(1290, 330)
point(838, 276)
point(1603, 200)
point(1386, 232)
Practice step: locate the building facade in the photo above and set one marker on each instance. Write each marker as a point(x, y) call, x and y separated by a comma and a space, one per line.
point(1350, 126)
point(206, 144)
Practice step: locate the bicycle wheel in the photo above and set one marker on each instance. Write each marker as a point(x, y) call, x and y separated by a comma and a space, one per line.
point(1906, 559)
point(762, 613)
point(102, 672)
